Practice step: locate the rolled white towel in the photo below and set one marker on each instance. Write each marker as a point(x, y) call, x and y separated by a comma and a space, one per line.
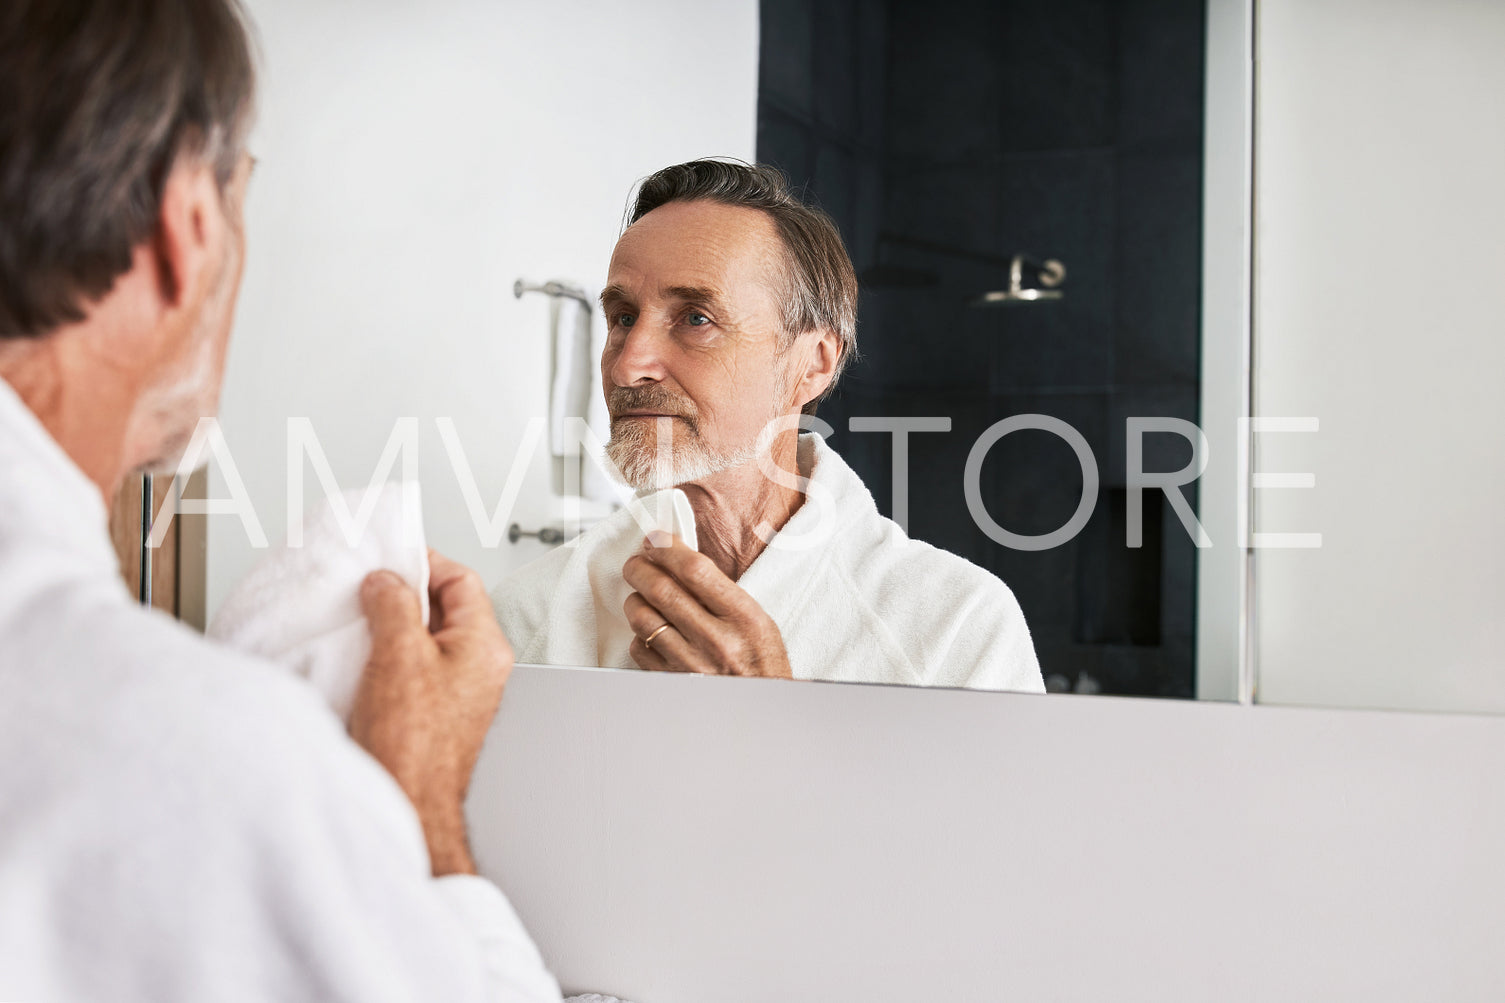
point(665, 511)
point(300, 606)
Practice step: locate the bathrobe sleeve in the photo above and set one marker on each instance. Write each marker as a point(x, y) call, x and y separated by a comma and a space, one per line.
point(340, 884)
point(935, 619)
point(223, 839)
point(990, 647)
point(522, 602)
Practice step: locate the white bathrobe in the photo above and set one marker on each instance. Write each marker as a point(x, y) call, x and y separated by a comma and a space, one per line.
point(179, 823)
point(855, 599)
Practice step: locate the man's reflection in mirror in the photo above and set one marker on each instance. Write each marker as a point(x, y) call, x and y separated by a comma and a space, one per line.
point(731, 310)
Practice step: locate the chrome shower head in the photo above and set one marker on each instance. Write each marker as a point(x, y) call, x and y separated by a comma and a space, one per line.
point(1049, 274)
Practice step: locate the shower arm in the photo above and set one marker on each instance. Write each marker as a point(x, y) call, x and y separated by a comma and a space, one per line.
point(1050, 273)
point(554, 289)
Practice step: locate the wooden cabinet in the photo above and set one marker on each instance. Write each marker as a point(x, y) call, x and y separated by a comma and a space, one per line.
point(178, 565)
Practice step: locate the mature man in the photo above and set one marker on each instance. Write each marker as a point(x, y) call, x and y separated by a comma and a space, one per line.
point(176, 822)
point(731, 310)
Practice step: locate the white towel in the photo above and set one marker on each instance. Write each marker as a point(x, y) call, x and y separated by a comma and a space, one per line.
point(595, 483)
point(300, 606)
point(576, 341)
point(571, 381)
point(668, 511)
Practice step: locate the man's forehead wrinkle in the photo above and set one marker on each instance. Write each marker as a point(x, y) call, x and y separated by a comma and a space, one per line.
point(705, 233)
point(727, 259)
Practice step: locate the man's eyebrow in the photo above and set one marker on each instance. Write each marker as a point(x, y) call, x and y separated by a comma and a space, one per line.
point(614, 294)
point(694, 294)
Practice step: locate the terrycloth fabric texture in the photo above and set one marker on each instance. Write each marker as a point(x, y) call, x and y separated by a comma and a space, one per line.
point(666, 511)
point(575, 392)
point(855, 599)
point(181, 823)
point(300, 605)
point(573, 384)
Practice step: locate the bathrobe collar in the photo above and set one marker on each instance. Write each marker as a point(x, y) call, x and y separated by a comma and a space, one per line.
point(835, 497)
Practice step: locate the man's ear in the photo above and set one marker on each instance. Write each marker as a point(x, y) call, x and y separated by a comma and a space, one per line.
point(188, 238)
point(820, 368)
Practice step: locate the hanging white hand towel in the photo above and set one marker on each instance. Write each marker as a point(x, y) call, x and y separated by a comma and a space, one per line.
point(575, 393)
point(571, 384)
point(300, 606)
point(595, 483)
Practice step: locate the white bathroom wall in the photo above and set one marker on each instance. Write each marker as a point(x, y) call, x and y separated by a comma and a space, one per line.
point(682, 839)
point(414, 159)
point(1380, 243)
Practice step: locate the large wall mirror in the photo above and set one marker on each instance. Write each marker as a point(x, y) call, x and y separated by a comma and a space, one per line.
point(1050, 209)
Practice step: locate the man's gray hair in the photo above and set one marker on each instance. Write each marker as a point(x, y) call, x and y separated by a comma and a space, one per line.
point(98, 99)
point(821, 293)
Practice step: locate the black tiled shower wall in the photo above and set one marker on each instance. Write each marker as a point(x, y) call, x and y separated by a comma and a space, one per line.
point(945, 136)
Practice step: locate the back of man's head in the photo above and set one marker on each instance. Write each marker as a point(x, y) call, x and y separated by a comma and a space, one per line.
point(821, 285)
point(98, 100)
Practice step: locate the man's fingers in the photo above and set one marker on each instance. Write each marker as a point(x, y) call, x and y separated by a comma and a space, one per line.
point(400, 639)
point(457, 594)
point(668, 597)
point(652, 659)
point(714, 625)
point(391, 608)
point(443, 569)
point(646, 659)
point(700, 577)
point(641, 617)
point(670, 645)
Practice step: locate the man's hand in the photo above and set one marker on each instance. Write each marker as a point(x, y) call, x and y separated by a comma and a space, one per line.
point(429, 694)
point(714, 626)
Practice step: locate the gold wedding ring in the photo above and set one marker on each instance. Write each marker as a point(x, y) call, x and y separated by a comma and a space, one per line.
point(648, 641)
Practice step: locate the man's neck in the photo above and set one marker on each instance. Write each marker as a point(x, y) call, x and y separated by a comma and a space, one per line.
point(82, 411)
point(731, 507)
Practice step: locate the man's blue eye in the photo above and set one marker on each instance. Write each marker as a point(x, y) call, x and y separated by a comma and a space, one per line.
point(697, 319)
point(625, 319)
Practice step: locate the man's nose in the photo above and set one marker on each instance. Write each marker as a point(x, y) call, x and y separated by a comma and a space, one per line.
point(638, 359)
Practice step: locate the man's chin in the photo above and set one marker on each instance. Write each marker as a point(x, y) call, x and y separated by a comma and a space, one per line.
point(639, 467)
point(628, 470)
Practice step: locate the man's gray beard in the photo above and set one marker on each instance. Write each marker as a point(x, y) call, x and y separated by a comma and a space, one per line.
point(638, 462)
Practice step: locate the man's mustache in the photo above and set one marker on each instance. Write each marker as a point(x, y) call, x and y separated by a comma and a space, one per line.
point(651, 398)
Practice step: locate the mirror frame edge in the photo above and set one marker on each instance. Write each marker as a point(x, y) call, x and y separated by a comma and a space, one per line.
point(1225, 663)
